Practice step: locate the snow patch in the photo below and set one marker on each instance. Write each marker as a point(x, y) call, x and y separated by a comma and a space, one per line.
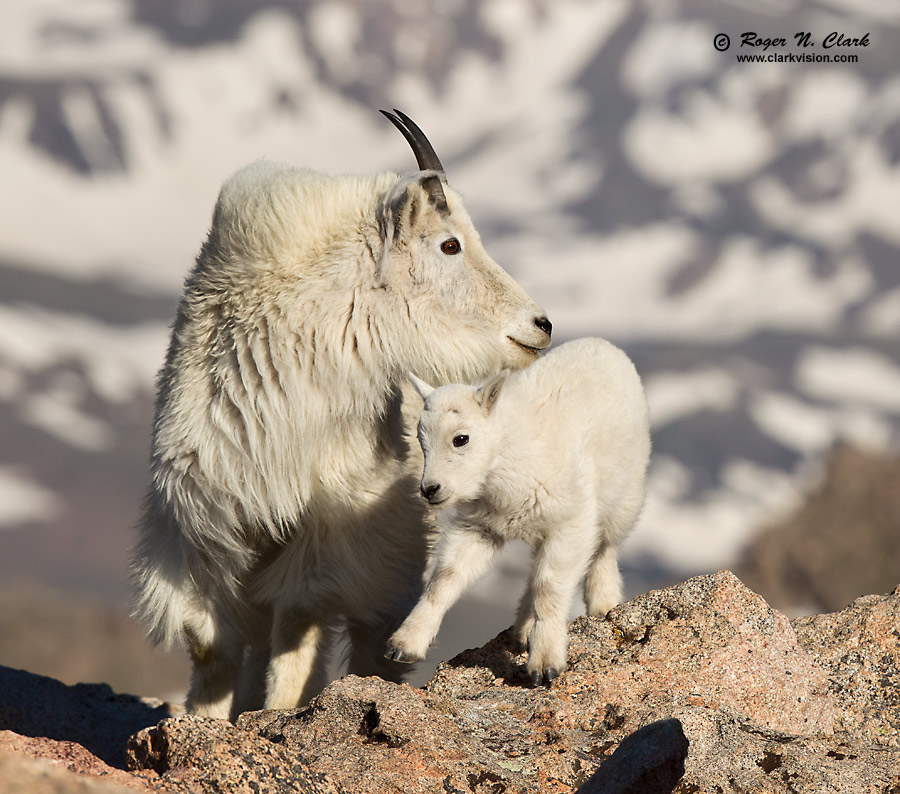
point(674, 395)
point(666, 55)
point(812, 429)
point(825, 103)
point(855, 376)
point(711, 140)
point(874, 10)
point(867, 205)
point(882, 316)
point(617, 285)
point(23, 501)
point(335, 26)
point(57, 413)
point(709, 533)
point(119, 362)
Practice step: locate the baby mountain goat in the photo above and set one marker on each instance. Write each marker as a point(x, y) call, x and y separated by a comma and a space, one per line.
point(283, 505)
point(555, 455)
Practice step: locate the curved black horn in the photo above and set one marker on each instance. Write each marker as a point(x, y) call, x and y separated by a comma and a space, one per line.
point(426, 158)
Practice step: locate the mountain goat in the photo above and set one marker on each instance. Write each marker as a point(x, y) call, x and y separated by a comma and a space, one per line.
point(284, 498)
point(555, 455)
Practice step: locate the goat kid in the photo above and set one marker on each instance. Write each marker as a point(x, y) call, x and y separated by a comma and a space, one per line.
point(555, 455)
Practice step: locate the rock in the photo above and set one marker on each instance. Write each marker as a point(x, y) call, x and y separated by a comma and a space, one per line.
point(723, 644)
point(859, 647)
point(707, 655)
point(700, 687)
point(840, 543)
point(21, 774)
point(61, 755)
point(730, 753)
point(198, 754)
point(374, 736)
point(91, 715)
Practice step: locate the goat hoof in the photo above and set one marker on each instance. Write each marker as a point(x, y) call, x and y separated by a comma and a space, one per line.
point(396, 655)
point(545, 677)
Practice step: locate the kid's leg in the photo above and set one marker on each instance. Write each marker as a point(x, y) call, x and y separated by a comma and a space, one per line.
point(460, 557)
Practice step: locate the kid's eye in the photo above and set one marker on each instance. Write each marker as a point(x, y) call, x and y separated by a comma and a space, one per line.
point(461, 440)
point(451, 246)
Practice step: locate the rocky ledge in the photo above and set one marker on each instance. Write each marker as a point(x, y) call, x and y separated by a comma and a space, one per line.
point(700, 687)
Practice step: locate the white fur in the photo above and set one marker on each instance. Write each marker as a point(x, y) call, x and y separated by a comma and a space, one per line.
point(555, 455)
point(283, 501)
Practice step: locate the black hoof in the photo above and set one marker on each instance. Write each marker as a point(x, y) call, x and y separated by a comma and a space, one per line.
point(547, 677)
point(396, 655)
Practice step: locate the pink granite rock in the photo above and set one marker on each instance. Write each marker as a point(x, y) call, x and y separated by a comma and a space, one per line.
point(700, 687)
point(195, 755)
point(59, 755)
point(859, 648)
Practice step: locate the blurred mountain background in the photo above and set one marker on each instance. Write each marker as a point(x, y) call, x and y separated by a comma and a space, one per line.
point(734, 226)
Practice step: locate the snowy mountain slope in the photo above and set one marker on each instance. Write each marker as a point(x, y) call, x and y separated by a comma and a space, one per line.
point(733, 226)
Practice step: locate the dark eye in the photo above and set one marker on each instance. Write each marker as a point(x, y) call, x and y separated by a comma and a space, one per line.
point(460, 440)
point(451, 246)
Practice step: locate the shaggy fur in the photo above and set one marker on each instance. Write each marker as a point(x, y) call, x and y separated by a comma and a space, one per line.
point(555, 455)
point(283, 501)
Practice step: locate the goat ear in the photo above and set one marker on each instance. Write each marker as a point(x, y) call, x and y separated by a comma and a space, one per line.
point(400, 211)
point(423, 388)
point(488, 393)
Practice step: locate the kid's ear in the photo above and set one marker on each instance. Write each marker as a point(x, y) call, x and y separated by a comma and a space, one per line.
point(487, 395)
point(421, 386)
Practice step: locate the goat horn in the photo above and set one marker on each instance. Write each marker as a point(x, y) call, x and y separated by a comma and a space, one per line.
point(426, 158)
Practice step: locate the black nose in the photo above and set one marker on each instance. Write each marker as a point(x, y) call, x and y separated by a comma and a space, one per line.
point(544, 324)
point(429, 491)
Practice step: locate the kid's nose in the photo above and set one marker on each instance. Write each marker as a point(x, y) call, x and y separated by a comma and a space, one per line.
point(429, 491)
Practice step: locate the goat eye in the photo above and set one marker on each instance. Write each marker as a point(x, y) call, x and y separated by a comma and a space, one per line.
point(460, 440)
point(451, 246)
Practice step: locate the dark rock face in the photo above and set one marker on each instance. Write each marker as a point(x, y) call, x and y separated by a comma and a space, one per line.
point(841, 542)
point(90, 715)
point(700, 687)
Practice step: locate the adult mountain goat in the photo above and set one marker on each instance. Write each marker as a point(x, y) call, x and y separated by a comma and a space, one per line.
point(283, 502)
point(555, 455)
